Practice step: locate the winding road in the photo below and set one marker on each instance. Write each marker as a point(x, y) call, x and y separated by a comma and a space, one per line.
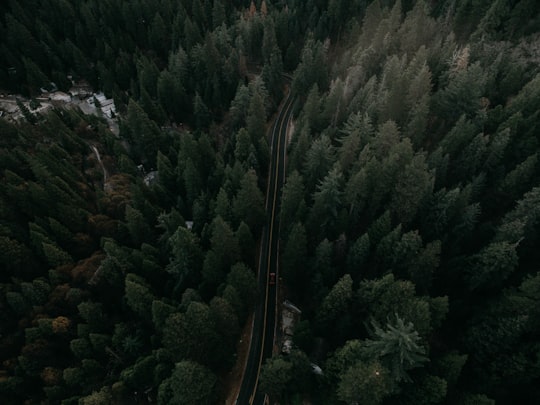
point(264, 323)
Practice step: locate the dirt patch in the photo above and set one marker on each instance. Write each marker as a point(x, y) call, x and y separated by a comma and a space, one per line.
point(290, 132)
point(233, 379)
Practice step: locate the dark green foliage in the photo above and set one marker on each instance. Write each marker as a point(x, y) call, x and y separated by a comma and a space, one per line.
point(369, 383)
point(409, 219)
point(275, 377)
point(246, 243)
point(294, 256)
point(327, 204)
point(138, 296)
point(293, 206)
point(243, 280)
point(194, 336)
point(318, 162)
point(492, 265)
point(398, 348)
point(358, 254)
point(248, 205)
point(143, 132)
point(190, 384)
point(312, 68)
point(186, 257)
point(140, 375)
point(337, 301)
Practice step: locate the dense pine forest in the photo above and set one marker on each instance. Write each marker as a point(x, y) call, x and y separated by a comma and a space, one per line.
point(410, 217)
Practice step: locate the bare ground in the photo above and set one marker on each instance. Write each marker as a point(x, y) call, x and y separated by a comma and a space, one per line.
point(233, 379)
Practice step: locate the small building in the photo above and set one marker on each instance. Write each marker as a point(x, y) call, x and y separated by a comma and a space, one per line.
point(316, 369)
point(106, 105)
point(290, 316)
point(100, 97)
point(108, 108)
point(151, 178)
point(60, 97)
point(81, 90)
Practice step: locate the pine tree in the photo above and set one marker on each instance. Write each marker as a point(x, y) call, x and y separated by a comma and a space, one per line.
point(192, 336)
point(492, 266)
point(144, 134)
point(256, 117)
point(327, 204)
point(137, 226)
point(318, 161)
point(248, 205)
point(223, 205)
point(398, 348)
point(244, 282)
point(336, 302)
point(276, 375)
point(243, 145)
point(201, 112)
point(293, 206)
point(186, 259)
point(358, 254)
point(367, 383)
point(294, 256)
point(139, 297)
point(414, 184)
point(190, 384)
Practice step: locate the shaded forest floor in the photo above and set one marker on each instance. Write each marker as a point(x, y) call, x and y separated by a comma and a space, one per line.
point(233, 380)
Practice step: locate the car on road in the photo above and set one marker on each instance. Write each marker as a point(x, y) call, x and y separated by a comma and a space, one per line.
point(272, 278)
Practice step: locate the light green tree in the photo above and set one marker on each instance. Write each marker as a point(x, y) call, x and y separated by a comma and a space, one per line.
point(398, 348)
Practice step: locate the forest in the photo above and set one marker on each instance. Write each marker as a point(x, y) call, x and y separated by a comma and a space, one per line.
point(410, 216)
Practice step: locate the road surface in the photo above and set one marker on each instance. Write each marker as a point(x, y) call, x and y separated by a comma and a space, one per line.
point(262, 339)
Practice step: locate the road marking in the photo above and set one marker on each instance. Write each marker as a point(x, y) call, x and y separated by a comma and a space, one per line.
point(276, 172)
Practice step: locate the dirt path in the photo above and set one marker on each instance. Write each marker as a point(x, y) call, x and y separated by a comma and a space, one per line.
point(233, 380)
point(105, 174)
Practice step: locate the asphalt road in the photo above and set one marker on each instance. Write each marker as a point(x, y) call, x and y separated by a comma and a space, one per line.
point(262, 339)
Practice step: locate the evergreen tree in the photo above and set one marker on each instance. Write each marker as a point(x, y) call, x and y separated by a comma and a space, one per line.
point(365, 383)
point(248, 205)
point(398, 348)
point(275, 377)
point(186, 257)
point(294, 256)
point(144, 134)
point(201, 112)
point(318, 161)
point(492, 265)
point(139, 297)
point(293, 206)
point(190, 384)
point(337, 300)
point(256, 116)
point(192, 336)
point(327, 203)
